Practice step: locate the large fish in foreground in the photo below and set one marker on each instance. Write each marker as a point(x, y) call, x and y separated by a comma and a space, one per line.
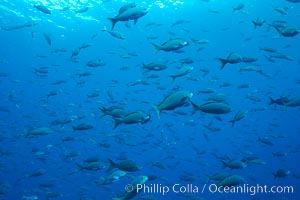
point(128, 13)
point(174, 100)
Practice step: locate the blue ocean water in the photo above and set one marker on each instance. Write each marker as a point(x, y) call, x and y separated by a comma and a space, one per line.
point(58, 66)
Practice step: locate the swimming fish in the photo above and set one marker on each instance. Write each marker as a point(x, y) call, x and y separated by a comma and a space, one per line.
point(43, 9)
point(170, 45)
point(174, 100)
point(131, 13)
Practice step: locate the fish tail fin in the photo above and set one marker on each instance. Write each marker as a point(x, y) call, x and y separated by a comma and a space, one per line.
point(80, 167)
point(112, 165)
point(113, 22)
point(195, 107)
point(144, 66)
point(26, 133)
point(102, 109)
point(117, 122)
point(275, 176)
point(272, 101)
point(172, 78)
point(232, 122)
point(277, 29)
point(223, 62)
point(156, 48)
point(224, 164)
point(100, 181)
point(104, 28)
point(255, 25)
point(74, 128)
point(207, 180)
point(157, 111)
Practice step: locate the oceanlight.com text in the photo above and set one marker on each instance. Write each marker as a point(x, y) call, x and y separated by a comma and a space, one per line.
point(209, 188)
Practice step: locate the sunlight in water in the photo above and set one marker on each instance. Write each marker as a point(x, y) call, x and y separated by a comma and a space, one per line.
point(59, 4)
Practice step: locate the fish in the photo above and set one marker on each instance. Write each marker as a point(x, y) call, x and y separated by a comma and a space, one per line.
point(38, 131)
point(126, 165)
point(93, 94)
point(238, 116)
point(217, 98)
point(173, 100)
point(282, 10)
point(91, 166)
point(212, 107)
point(279, 154)
point(83, 74)
point(133, 118)
point(43, 9)
point(113, 177)
point(211, 128)
point(234, 164)
point(281, 56)
point(155, 66)
point(126, 7)
point(180, 21)
point(265, 140)
point(113, 111)
point(139, 180)
point(247, 59)
point(268, 49)
point(280, 101)
point(232, 58)
point(47, 38)
point(95, 63)
point(61, 50)
point(238, 7)
point(207, 91)
point(281, 173)
point(83, 127)
point(25, 25)
point(115, 34)
point(295, 102)
point(158, 165)
point(258, 22)
point(84, 46)
point(249, 69)
point(226, 84)
point(53, 93)
point(170, 45)
point(287, 31)
point(232, 180)
point(36, 173)
point(81, 10)
point(184, 70)
point(218, 176)
point(130, 13)
point(254, 161)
